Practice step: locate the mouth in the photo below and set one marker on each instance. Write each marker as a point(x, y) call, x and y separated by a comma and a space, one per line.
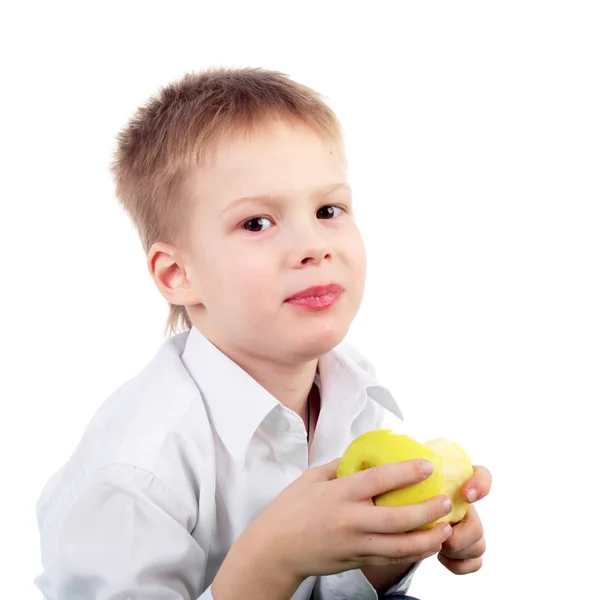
point(317, 297)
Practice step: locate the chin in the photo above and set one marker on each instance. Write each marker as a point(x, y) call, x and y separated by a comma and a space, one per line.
point(314, 342)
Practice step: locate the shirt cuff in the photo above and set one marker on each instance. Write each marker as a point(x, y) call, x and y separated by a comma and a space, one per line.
point(402, 586)
point(353, 585)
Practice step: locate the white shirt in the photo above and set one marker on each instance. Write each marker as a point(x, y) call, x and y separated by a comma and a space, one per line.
point(179, 461)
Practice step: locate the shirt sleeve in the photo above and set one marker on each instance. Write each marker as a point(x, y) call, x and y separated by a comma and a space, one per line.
point(123, 535)
point(353, 585)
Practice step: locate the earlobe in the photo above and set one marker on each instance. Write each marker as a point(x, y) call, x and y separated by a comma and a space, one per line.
point(167, 267)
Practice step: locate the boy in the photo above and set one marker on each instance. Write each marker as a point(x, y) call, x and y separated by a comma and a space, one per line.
point(212, 473)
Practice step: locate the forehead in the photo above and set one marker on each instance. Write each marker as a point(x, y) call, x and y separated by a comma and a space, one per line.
point(275, 158)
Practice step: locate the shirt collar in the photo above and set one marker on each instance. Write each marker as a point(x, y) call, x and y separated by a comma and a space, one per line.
point(344, 369)
point(237, 404)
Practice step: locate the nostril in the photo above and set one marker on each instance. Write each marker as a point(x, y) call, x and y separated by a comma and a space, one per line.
point(314, 259)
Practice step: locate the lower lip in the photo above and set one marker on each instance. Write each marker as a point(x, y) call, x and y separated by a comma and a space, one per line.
point(315, 302)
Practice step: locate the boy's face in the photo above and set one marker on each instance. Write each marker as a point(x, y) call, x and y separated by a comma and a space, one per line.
point(246, 258)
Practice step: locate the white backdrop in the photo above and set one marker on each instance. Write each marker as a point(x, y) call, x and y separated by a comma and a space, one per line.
point(473, 134)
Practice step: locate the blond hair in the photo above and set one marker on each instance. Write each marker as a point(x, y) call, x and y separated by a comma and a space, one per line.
point(182, 121)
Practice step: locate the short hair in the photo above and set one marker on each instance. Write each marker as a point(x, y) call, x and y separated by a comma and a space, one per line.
point(170, 133)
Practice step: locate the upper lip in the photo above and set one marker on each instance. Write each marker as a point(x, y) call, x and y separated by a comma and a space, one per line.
point(317, 290)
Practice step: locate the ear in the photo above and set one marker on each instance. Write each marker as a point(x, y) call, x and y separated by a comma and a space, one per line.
point(167, 267)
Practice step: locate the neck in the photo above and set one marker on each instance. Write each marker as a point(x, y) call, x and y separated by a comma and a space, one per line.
point(290, 383)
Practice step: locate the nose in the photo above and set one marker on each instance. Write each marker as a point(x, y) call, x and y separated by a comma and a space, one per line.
point(316, 256)
point(311, 247)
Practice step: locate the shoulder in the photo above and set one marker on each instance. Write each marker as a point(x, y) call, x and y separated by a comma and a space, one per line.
point(134, 424)
point(152, 429)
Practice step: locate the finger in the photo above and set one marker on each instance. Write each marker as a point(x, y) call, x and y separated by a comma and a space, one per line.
point(465, 533)
point(478, 486)
point(477, 550)
point(401, 519)
point(381, 561)
point(461, 567)
point(326, 472)
point(383, 478)
point(405, 545)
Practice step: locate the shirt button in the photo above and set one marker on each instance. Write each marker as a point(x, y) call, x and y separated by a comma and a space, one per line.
point(284, 425)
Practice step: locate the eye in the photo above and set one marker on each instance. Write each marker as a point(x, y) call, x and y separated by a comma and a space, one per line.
point(329, 212)
point(256, 224)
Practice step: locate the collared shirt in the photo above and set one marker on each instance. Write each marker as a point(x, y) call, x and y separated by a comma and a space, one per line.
point(179, 461)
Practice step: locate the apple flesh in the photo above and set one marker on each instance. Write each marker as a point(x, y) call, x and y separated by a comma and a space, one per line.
point(451, 468)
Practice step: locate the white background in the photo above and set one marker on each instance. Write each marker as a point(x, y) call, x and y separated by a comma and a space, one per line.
point(473, 134)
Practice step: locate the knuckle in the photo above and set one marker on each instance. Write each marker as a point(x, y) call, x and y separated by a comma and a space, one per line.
point(417, 472)
point(481, 547)
point(351, 547)
point(431, 512)
point(405, 549)
point(376, 478)
point(415, 546)
point(479, 530)
point(434, 509)
point(454, 566)
point(400, 560)
point(400, 550)
point(435, 544)
point(468, 566)
point(414, 549)
point(451, 547)
point(392, 521)
point(368, 561)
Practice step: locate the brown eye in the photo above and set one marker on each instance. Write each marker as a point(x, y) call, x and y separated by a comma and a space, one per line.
point(256, 224)
point(328, 212)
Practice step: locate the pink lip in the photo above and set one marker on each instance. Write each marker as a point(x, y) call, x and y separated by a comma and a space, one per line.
point(317, 297)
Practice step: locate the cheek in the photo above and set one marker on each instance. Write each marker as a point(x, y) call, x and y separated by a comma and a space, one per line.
point(244, 277)
point(249, 297)
point(357, 256)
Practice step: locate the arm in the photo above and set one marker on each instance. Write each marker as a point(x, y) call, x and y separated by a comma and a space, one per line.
point(125, 534)
point(246, 574)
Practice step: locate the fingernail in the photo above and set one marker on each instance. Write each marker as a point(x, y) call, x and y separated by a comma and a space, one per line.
point(446, 505)
point(472, 495)
point(426, 467)
point(447, 531)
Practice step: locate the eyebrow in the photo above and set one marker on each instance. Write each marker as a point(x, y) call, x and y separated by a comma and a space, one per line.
point(328, 189)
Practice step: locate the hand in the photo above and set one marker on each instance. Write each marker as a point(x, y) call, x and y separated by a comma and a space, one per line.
point(321, 525)
point(462, 552)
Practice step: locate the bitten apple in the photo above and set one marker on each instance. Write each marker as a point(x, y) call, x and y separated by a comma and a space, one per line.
point(451, 468)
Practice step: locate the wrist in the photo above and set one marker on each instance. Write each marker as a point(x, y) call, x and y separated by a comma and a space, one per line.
point(252, 571)
point(383, 578)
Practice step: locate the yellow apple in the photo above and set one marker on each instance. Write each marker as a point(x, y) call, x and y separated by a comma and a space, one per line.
point(451, 468)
